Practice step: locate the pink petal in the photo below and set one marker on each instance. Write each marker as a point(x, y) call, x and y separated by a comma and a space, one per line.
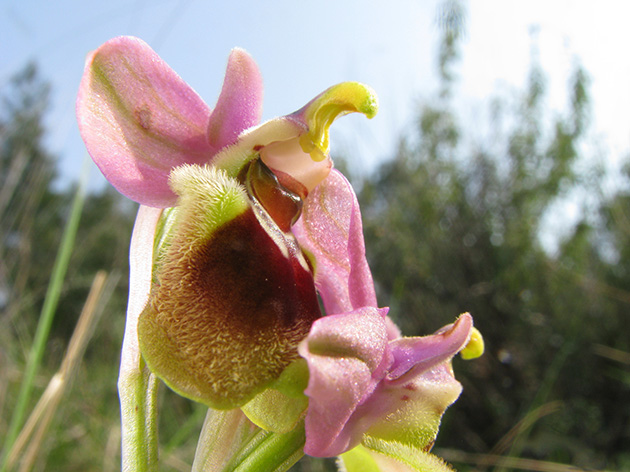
point(353, 392)
point(412, 356)
point(345, 354)
point(407, 406)
point(331, 229)
point(410, 412)
point(139, 119)
point(240, 104)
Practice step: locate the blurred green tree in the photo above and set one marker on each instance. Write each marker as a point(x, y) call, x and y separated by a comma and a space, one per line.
point(453, 226)
point(28, 207)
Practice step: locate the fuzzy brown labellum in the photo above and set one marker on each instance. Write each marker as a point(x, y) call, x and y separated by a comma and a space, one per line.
point(228, 306)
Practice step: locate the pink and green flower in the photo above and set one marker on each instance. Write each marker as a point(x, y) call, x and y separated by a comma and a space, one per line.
point(243, 229)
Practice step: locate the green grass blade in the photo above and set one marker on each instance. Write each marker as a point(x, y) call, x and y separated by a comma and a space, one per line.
point(46, 317)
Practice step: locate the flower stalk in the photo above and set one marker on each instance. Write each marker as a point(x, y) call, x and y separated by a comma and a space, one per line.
point(137, 386)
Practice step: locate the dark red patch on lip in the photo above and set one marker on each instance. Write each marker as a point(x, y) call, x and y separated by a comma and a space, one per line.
point(244, 275)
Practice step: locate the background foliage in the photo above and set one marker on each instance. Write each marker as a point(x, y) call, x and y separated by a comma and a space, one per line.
point(454, 222)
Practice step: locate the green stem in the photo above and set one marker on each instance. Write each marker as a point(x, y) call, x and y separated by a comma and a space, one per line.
point(229, 442)
point(137, 387)
point(274, 453)
point(46, 317)
point(139, 415)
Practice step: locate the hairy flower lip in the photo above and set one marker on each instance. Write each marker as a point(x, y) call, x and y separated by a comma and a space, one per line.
point(233, 294)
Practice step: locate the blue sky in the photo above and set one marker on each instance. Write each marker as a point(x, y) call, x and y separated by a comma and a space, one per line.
point(304, 47)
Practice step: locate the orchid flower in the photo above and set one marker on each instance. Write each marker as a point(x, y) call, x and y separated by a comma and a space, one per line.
point(242, 229)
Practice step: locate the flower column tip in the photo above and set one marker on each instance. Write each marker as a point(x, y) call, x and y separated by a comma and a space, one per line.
point(338, 100)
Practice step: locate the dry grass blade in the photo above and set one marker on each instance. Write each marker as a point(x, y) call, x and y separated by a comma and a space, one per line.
point(32, 434)
point(515, 463)
point(110, 463)
point(612, 353)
